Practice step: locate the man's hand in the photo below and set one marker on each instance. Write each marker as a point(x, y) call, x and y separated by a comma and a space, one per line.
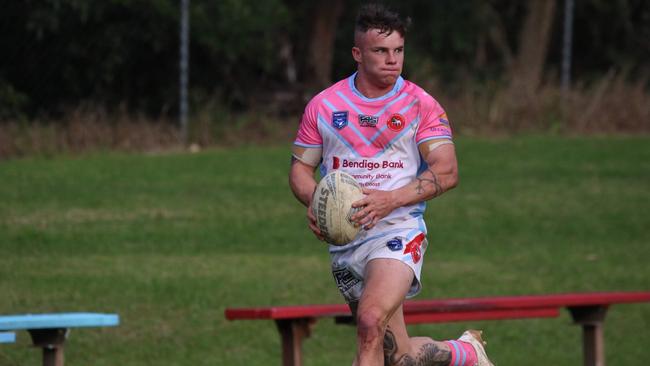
point(302, 183)
point(376, 205)
point(311, 219)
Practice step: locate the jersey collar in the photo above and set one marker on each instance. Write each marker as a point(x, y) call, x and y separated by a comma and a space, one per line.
point(396, 88)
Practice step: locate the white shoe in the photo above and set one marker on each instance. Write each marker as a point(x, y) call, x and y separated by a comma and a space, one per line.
point(473, 337)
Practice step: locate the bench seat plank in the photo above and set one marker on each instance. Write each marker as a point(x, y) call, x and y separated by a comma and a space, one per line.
point(492, 305)
point(60, 320)
point(526, 302)
point(7, 337)
point(419, 318)
point(288, 312)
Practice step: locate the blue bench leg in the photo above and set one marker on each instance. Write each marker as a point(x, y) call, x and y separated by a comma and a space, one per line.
point(51, 341)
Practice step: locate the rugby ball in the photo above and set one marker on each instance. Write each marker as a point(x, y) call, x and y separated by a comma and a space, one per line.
point(332, 207)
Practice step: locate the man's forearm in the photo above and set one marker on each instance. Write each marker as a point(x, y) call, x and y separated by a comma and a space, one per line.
point(301, 181)
point(429, 184)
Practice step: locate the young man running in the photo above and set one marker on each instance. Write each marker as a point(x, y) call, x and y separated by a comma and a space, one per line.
point(395, 139)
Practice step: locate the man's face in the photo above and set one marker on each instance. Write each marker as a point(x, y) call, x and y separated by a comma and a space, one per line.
point(380, 56)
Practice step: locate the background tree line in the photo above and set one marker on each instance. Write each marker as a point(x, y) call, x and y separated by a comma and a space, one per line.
point(272, 55)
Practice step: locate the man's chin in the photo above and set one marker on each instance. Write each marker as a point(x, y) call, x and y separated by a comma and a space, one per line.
point(389, 80)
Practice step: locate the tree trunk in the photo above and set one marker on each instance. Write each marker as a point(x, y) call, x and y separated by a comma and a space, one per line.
point(528, 66)
point(321, 47)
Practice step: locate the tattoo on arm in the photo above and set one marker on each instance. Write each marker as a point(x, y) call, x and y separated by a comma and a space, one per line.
point(433, 181)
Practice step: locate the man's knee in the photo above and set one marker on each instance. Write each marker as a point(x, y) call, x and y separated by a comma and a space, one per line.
point(371, 324)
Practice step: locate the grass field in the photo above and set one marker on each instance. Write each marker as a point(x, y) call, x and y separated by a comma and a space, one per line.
point(169, 241)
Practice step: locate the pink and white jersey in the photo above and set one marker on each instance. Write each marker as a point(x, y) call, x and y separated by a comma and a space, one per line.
point(375, 140)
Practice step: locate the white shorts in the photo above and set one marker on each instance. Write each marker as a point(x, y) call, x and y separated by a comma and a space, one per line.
point(348, 266)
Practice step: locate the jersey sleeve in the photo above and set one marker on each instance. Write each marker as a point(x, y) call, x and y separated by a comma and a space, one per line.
point(434, 123)
point(308, 134)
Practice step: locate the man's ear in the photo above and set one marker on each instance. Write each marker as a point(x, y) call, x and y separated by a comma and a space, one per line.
point(356, 54)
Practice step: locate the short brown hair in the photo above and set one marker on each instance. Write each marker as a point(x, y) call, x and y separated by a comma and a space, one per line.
point(377, 16)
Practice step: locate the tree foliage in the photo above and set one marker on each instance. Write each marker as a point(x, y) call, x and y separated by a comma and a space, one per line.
point(124, 53)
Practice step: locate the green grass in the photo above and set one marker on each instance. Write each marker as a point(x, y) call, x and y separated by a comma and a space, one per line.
point(170, 241)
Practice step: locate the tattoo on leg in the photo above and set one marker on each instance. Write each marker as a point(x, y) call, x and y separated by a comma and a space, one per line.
point(390, 347)
point(390, 352)
point(430, 354)
point(433, 180)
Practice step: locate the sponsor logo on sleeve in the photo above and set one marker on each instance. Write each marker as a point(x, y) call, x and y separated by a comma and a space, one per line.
point(443, 119)
point(443, 131)
point(339, 119)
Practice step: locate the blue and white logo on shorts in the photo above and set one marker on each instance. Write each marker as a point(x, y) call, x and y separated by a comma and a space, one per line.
point(395, 244)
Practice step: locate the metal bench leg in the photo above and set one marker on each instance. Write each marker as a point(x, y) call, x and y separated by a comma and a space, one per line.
point(592, 319)
point(51, 341)
point(293, 331)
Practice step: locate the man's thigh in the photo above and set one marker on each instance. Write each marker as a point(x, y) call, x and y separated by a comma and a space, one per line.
point(386, 283)
point(349, 266)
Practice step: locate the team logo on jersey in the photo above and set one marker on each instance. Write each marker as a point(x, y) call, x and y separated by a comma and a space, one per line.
point(396, 122)
point(368, 121)
point(339, 119)
point(336, 162)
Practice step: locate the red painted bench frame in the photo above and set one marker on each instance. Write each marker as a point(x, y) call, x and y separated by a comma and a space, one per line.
point(587, 309)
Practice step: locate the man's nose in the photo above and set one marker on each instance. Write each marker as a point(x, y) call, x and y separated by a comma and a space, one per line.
point(390, 57)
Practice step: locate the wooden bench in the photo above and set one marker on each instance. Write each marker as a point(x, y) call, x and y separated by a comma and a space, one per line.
point(7, 337)
point(587, 309)
point(49, 331)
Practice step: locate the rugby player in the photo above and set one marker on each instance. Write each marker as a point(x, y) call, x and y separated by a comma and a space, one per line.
point(396, 140)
